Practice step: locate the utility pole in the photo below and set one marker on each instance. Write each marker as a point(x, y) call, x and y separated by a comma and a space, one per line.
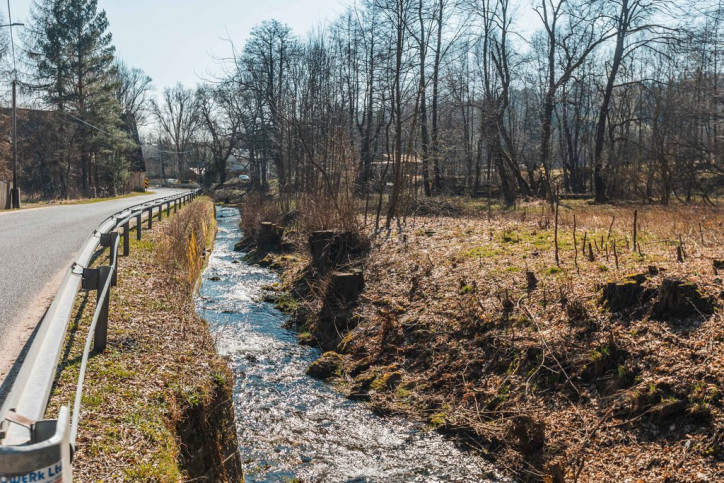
point(15, 194)
point(160, 161)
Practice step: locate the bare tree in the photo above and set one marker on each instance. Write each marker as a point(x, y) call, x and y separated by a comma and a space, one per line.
point(221, 124)
point(178, 117)
point(629, 17)
point(572, 30)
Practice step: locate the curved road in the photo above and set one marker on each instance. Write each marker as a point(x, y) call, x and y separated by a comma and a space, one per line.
point(37, 246)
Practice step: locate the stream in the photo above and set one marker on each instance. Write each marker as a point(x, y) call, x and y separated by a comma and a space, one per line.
point(290, 426)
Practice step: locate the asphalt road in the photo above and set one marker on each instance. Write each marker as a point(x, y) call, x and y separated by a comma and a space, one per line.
point(36, 248)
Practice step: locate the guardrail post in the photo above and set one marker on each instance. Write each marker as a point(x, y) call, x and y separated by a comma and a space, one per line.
point(126, 238)
point(100, 336)
point(175, 206)
point(138, 225)
point(160, 212)
point(168, 209)
point(150, 218)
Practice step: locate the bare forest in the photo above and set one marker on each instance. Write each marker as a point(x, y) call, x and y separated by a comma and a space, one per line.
point(395, 101)
point(409, 99)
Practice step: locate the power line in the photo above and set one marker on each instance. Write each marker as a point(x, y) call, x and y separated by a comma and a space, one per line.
point(173, 152)
point(86, 123)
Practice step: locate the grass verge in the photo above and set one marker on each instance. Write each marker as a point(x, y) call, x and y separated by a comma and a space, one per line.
point(85, 201)
point(157, 401)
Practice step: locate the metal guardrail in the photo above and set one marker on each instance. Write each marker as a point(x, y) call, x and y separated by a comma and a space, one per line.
point(41, 450)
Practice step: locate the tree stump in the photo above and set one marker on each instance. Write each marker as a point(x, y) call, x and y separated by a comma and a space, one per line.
point(531, 280)
point(620, 296)
point(270, 235)
point(328, 249)
point(678, 299)
point(345, 287)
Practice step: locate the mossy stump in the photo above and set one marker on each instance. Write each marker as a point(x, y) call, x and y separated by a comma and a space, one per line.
point(620, 296)
point(326, 366)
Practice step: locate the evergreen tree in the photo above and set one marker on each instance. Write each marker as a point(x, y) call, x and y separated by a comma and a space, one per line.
point(75, 69)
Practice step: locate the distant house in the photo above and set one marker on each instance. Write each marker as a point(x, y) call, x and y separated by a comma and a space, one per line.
point(158, 164)
point(237, 165)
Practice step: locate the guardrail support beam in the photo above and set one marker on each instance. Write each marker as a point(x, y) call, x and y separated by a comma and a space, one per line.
point(150, 218)
point(90, 279)
point(138, 225)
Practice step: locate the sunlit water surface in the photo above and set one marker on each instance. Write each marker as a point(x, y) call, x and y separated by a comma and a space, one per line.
point(293, 426)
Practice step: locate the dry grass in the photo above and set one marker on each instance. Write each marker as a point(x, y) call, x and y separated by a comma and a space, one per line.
point(182, 246)
point(255, 209)
point(327, 213)
point(449, 312)
point(159, 364)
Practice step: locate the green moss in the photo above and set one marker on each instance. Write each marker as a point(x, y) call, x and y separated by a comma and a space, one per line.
point(553, 270)
point(305, 338)
point(481, 252)
point(328, 365)
point(437, 420)
point(387, 380)
point(466, 289)
point(286, 303)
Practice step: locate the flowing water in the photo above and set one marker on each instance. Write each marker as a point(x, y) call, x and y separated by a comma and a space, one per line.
point(293, 426)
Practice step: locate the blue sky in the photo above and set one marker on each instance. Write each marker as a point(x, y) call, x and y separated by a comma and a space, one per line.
point(176, 40)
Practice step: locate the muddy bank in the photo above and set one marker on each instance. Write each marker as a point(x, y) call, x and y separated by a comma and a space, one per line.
point(157, 402)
